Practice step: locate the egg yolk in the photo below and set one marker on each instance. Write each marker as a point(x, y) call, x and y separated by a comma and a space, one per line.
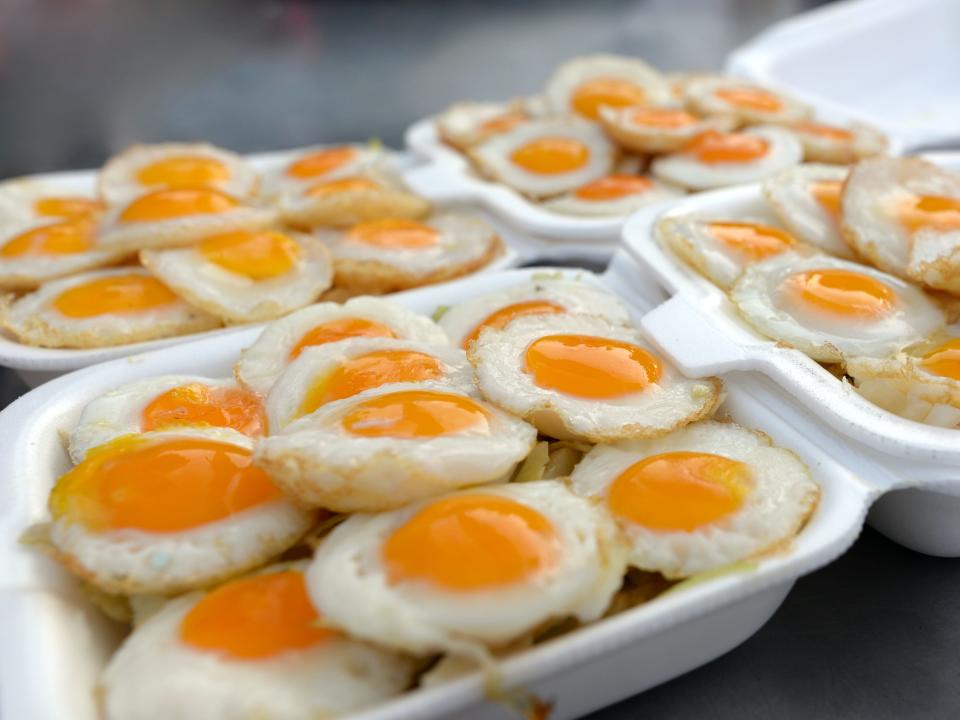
point(828, 132)
point(506, 315)
point(199, 404)
point(178, 202)
point(416, 414)
point(160, 486)
point(598, 92)
point(471, 542)
point(715, 147)
point(931, 211)
point(590, 367)
point(394, 233)
point(256, 255)
point(750, 98)
point(551, 155)
point(322, 162)
point(340, 329)
point(842, 292)
point(183, 171)
point(613, 187)
point(503, 123)
point(343, 185)
point(679, 491)
point(751, 240)
point(663, 119)
point(828, 193)
point(67, 207)
point(255, 618)
point(114, 295)
point(944, 361)
point(369, 371)
point(63, 238)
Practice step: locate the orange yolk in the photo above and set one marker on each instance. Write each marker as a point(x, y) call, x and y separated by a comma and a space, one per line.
point(257, 255)
point(255, 618)
point(944, 361)
point(590, 96)
point(471, 542)
point(114, 295)
point(843, 292)
point(613, 187)
point(590, 367)
point(503, 123)
point(679, 491)
point(716, 147)
point(394, 233)
point(663, 119)
point(344, 185)
point(413, 414)
point(750, 98)
point(369, 371)
point(322, 162)
point(178, 202)
point(341, 329)
point(198, 404)
point(551, 155)
point(750, 240)
point(67, 207)
point(931, 211)
point(64, 238)
point(828, 193)
point(829, 132)
point(506, 315)
point(160, 486)
point(183, 171)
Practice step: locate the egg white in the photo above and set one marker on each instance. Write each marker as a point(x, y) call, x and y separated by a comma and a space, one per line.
point(644, 138)
point(463, 124)
point(866, 141)
point(570, 75)
point(791, 199)
point(570, 204)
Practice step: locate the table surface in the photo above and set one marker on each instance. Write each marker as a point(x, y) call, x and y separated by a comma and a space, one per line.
point(875, 634)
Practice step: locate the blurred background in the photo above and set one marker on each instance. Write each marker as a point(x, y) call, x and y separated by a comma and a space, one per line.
point(873, 635)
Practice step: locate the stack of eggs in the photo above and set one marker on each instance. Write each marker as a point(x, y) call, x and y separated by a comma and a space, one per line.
point(181, 238)
point(379, 500)
point(610, 134)
point(858, 268)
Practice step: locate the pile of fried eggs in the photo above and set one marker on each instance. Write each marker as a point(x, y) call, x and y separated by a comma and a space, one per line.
point(610, 134)
point(375, 490)
point(177, 238)
point(856, 267)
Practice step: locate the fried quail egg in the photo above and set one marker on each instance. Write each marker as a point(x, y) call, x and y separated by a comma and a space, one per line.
point(584, 85)
point(339, 370)
point(252, 647)
point(541, 158)
point(748, 104)
point(464, 321)
point(702, 497)
point(806, 199)
point(312, 166)
point(164, 403)
point(168, 511)
point(246, 276)
point(657, 130)
point(903, 215)
point(831, 309)
point(465, 124)
point(101, 308)
point(720, 249)
point(824, 143)
point(713, 159)
point(142, 169)
point(579, 377)
point(470, 570)
point(392, 445)
point(283, 340)
point(616, 194)
point(36, 200)
point(390, 254)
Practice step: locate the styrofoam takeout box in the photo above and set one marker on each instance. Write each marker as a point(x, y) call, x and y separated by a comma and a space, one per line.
point(54, 644)
point(892, 62)
point(702, 332)
point(36, 365)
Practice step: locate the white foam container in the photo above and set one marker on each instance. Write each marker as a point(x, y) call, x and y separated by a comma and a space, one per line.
point(36, 365)
point(892, 62)
point(702, 332)
point(54, 645)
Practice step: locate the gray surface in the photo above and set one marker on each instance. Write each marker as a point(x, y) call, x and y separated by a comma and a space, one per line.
point(874, 635)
